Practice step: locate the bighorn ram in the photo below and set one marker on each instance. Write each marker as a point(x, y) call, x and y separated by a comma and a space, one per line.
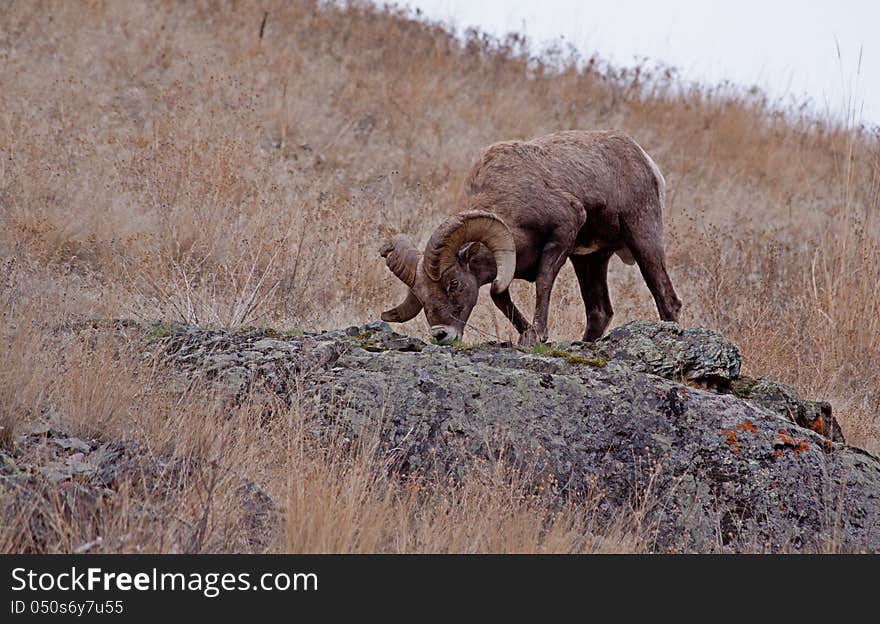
point(578, 195)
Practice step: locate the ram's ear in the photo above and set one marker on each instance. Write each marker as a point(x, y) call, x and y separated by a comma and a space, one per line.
point(467, 251)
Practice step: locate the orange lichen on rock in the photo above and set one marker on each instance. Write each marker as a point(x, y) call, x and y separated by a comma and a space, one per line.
point(818, 426)
point(747, 425)
point(785, 438)
point(799, 446)
point(731, 440)
point(730, 434)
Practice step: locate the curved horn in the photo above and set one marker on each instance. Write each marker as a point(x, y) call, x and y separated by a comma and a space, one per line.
point(401, 257)
point(472, 226)
point(405, 311)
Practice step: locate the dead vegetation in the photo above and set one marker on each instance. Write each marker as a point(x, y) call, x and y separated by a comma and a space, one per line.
point(161, 160)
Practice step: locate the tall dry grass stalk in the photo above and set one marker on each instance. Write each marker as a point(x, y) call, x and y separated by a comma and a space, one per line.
point(162, 160)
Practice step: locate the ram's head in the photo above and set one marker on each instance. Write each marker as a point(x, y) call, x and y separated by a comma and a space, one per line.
point(469, 249)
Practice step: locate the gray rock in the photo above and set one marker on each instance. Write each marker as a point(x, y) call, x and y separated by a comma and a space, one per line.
point(265, 344)
point(7, 465)
point(39, 479)
point(725, 462)
point(670, 351)
point(380, 326)
point(56, 473)
point(74, 444)
point(782, 399)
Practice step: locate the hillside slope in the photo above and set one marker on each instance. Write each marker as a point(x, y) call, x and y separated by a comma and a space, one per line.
point(221, 164)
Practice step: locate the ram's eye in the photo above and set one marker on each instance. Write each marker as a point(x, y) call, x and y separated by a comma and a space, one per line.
point(453, 284)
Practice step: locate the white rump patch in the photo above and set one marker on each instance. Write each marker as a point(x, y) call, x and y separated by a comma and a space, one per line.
point(661, 181)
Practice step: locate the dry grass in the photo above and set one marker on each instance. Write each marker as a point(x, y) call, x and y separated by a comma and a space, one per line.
point(160, 160)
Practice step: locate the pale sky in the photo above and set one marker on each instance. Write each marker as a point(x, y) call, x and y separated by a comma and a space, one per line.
point(788, 48)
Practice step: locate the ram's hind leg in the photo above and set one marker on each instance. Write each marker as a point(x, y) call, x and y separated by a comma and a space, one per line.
point(646, 246)
point(592, 275)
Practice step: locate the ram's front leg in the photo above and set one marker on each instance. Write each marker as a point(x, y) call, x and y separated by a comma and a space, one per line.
point(552, 259)
point(504, 303)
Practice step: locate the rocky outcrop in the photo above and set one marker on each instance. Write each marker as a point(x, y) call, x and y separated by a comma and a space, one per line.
point(651, 412)
point(51, 472)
